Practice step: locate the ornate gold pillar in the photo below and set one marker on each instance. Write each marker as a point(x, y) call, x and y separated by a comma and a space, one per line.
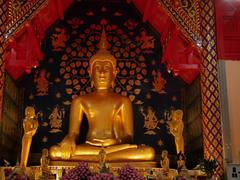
point(211, 119)
point(3, 20)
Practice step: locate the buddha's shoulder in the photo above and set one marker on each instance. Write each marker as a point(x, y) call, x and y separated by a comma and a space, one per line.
point(122, 98)
point(94, 96)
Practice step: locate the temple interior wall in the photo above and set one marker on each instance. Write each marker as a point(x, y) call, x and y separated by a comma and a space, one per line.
point(233, 89)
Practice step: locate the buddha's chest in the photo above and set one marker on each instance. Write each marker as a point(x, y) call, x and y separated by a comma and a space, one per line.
point(102, 108)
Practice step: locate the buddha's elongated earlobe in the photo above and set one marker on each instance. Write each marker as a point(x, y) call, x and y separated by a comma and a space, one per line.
point(113, 84)
point(92, 84)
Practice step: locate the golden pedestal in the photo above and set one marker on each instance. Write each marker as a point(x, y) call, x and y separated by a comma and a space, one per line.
point(135, 164)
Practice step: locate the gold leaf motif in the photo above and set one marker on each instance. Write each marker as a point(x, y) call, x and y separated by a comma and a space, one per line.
point(82, 71)
point(66, 76)
point(138, 69)
point(69, 91)
point(132, 72)
point(144, 72)
point(64, 57)
point(141, 58)
point(139, 76)
point(129, 88)
point(72, 65)
point(80, 54)
point(121, 64)
point(85, 64)
point(117, 54)
point(77, 87)
point(125, 54)
point(73, 53)
point(75, 81)
point(68, 82)
point(118, 89)
point(68, 68)
point(89, 54)
point(128, 64)
point(131, 82)
point(74, 71)
point(63, 64)
point(124, 72)
point(123, 81)
point(137, 82)
point(83, 80)
point(78, 63)
point(132, 97)
point(133, 66)
point(137, 91)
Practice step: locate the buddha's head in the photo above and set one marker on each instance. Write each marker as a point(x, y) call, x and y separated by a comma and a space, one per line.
point(102, 66)
point(30, 112)
point(177, 115)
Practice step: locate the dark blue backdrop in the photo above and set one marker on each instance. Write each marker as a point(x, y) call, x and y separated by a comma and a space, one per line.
point(62, 75)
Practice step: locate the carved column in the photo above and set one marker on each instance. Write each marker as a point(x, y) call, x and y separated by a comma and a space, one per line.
point(211, 119)
point(3, 19)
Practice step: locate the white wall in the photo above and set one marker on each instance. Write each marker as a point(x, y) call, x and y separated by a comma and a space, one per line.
point(232, 69)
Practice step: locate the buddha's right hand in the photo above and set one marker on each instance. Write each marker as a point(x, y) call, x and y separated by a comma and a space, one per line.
point(68, 146)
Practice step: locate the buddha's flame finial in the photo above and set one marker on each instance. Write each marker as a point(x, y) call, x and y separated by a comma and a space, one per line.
point(103, 44)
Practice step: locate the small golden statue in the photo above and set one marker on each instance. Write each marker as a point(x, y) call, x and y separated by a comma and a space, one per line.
point(165, 162)
point(45, 170)
point(109, 115)
point(30, 125)
point(181, 162)
point(176, 129)
point(44, 161)
point(102, 161)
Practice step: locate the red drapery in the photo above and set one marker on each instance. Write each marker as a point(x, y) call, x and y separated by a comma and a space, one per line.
point(179, 54)
point(24, 49)
point(228, 29)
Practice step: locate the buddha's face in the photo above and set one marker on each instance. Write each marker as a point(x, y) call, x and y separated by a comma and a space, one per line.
point(103, 74)
point(30, 112)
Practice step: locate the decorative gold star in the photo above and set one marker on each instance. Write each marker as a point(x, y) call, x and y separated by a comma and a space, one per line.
point(148, 95)
point(45, 139)
point(174, 98)
point(160, 142)
point(58, 95)
point(31, 97)
point(57, 80)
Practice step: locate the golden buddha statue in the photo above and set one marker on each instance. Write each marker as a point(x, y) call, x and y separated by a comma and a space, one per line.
point(110, 118)
point(165, 161)
point(44, 161)
point(176, 129)
point(30, 125)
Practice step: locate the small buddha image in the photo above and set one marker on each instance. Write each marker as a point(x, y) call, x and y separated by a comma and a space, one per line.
point(30, 125)
point(44, 161)
point(180, 162)
point(164, 162)
point(102, 160)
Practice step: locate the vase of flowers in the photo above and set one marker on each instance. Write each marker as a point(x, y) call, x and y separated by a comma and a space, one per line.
point(208, 166)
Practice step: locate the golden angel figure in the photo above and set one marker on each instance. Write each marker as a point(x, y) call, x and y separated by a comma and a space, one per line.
point(30, 125)
point(176, 129)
